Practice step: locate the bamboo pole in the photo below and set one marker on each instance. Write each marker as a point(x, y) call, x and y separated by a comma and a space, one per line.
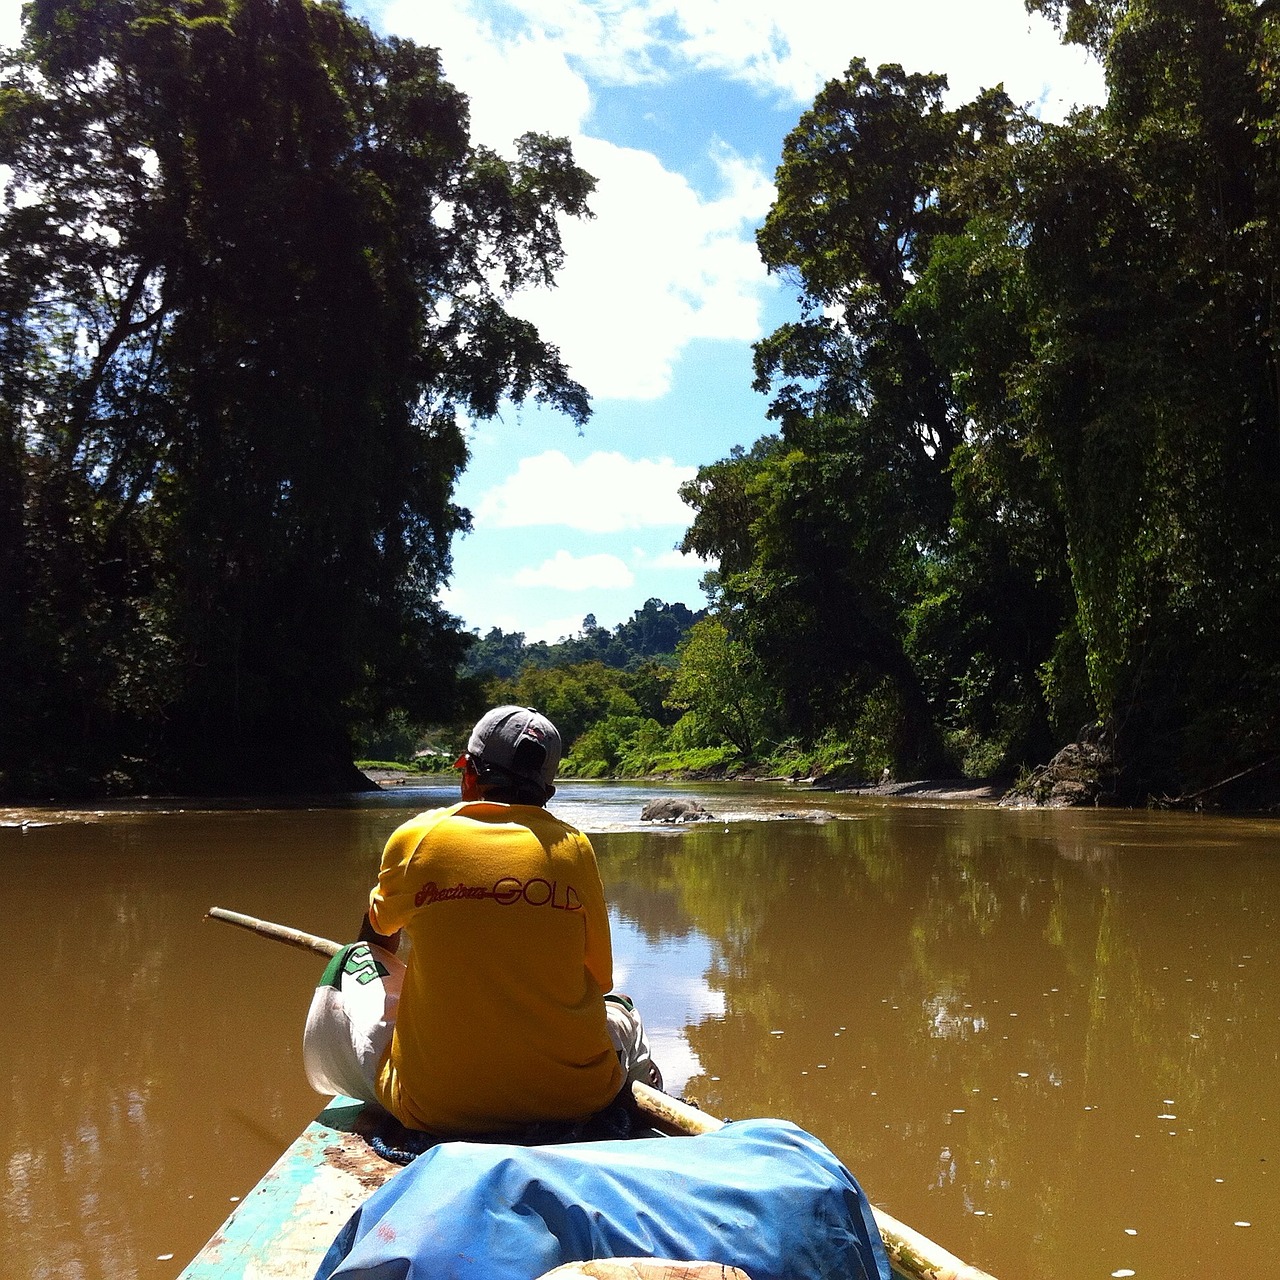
point(277, 932)
point(913, 1255)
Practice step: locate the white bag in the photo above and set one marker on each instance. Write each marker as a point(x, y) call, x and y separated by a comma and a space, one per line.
point(349, 1024)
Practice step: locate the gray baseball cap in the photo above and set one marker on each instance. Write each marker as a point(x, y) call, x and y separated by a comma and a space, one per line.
point(518, 741)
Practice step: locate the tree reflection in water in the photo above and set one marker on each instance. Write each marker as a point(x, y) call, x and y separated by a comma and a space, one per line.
point(1038, 1037)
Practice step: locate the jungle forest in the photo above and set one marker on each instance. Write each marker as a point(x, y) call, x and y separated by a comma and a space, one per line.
point(1023, 491)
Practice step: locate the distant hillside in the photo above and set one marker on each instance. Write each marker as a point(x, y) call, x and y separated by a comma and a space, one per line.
point(651, 633)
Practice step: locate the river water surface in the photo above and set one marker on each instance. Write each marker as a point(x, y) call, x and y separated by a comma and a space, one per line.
point(1048, 1040)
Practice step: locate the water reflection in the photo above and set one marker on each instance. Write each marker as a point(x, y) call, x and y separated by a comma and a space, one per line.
point(1051, 1041)
point(1031, 1035)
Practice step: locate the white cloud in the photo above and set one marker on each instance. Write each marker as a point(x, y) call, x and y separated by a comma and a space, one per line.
point(790, 49)
point(605, 493)
point(795, 48)
point(10, 22)
point(484, 609)
point(565, 572)
point(517, 81)
point(530, 45)
point(662, 265)
point(658, 267)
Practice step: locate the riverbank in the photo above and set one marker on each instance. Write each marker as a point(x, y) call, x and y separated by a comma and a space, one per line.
point(978, 790)
point(390, 778)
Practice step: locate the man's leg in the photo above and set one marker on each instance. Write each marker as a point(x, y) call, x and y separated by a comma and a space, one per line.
point(627, 1033)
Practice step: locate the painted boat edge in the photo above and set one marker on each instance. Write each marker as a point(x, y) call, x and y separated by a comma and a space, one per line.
point(283, 1227)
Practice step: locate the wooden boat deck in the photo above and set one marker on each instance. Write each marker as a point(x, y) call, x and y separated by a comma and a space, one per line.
point(283, 1227)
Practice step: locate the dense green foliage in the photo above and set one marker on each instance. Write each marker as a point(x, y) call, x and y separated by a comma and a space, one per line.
point(608, 692)
point(674, 695)
point(252, 273)
point(1025, 480)
point(1027, 474)
point(652, 631)
point(615, 696)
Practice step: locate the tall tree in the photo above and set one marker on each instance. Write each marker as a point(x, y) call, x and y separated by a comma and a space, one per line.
point(1029, 417)
point(855, 504)
point(722, 690)
point(253, 274)
point(1150, 258)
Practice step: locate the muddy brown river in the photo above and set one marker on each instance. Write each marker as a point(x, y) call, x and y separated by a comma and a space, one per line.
point(1049, 1040)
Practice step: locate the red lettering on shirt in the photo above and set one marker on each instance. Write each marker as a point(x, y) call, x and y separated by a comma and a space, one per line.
point(431, 892)
point(505, 891)
point(537, 893)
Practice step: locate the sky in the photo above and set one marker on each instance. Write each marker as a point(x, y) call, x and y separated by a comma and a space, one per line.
point(679, 109)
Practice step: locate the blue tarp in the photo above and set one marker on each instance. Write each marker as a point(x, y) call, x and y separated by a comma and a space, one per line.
point(762, 1195)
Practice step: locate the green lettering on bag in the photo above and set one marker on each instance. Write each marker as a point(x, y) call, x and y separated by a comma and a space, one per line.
point(360, 965)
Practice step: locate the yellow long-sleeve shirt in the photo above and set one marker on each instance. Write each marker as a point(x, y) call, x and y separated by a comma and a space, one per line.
point(501, 1021)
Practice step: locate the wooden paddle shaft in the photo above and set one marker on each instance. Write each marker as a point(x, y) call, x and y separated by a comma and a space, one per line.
point(277, 932)
point(913, 1255)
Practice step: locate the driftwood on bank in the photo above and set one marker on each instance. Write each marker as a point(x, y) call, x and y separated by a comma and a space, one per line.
point(1198, 798)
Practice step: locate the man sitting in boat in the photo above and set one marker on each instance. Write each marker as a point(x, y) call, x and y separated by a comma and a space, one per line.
point(499, 1020)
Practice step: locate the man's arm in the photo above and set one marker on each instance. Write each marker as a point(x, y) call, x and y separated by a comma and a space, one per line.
point(598, 956)
point(387, 941)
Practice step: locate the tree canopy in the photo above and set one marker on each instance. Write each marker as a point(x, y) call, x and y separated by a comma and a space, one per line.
point(652, 632)
point(252, 276)
point(1024, 481)
point(1028, 465)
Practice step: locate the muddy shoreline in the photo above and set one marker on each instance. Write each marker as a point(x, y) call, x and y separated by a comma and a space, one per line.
point(973, 789)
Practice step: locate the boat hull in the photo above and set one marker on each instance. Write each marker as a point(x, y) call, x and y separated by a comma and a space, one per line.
point(283, 1227)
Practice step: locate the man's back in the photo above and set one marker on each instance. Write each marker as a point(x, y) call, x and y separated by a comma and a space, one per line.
point(501, 1020)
